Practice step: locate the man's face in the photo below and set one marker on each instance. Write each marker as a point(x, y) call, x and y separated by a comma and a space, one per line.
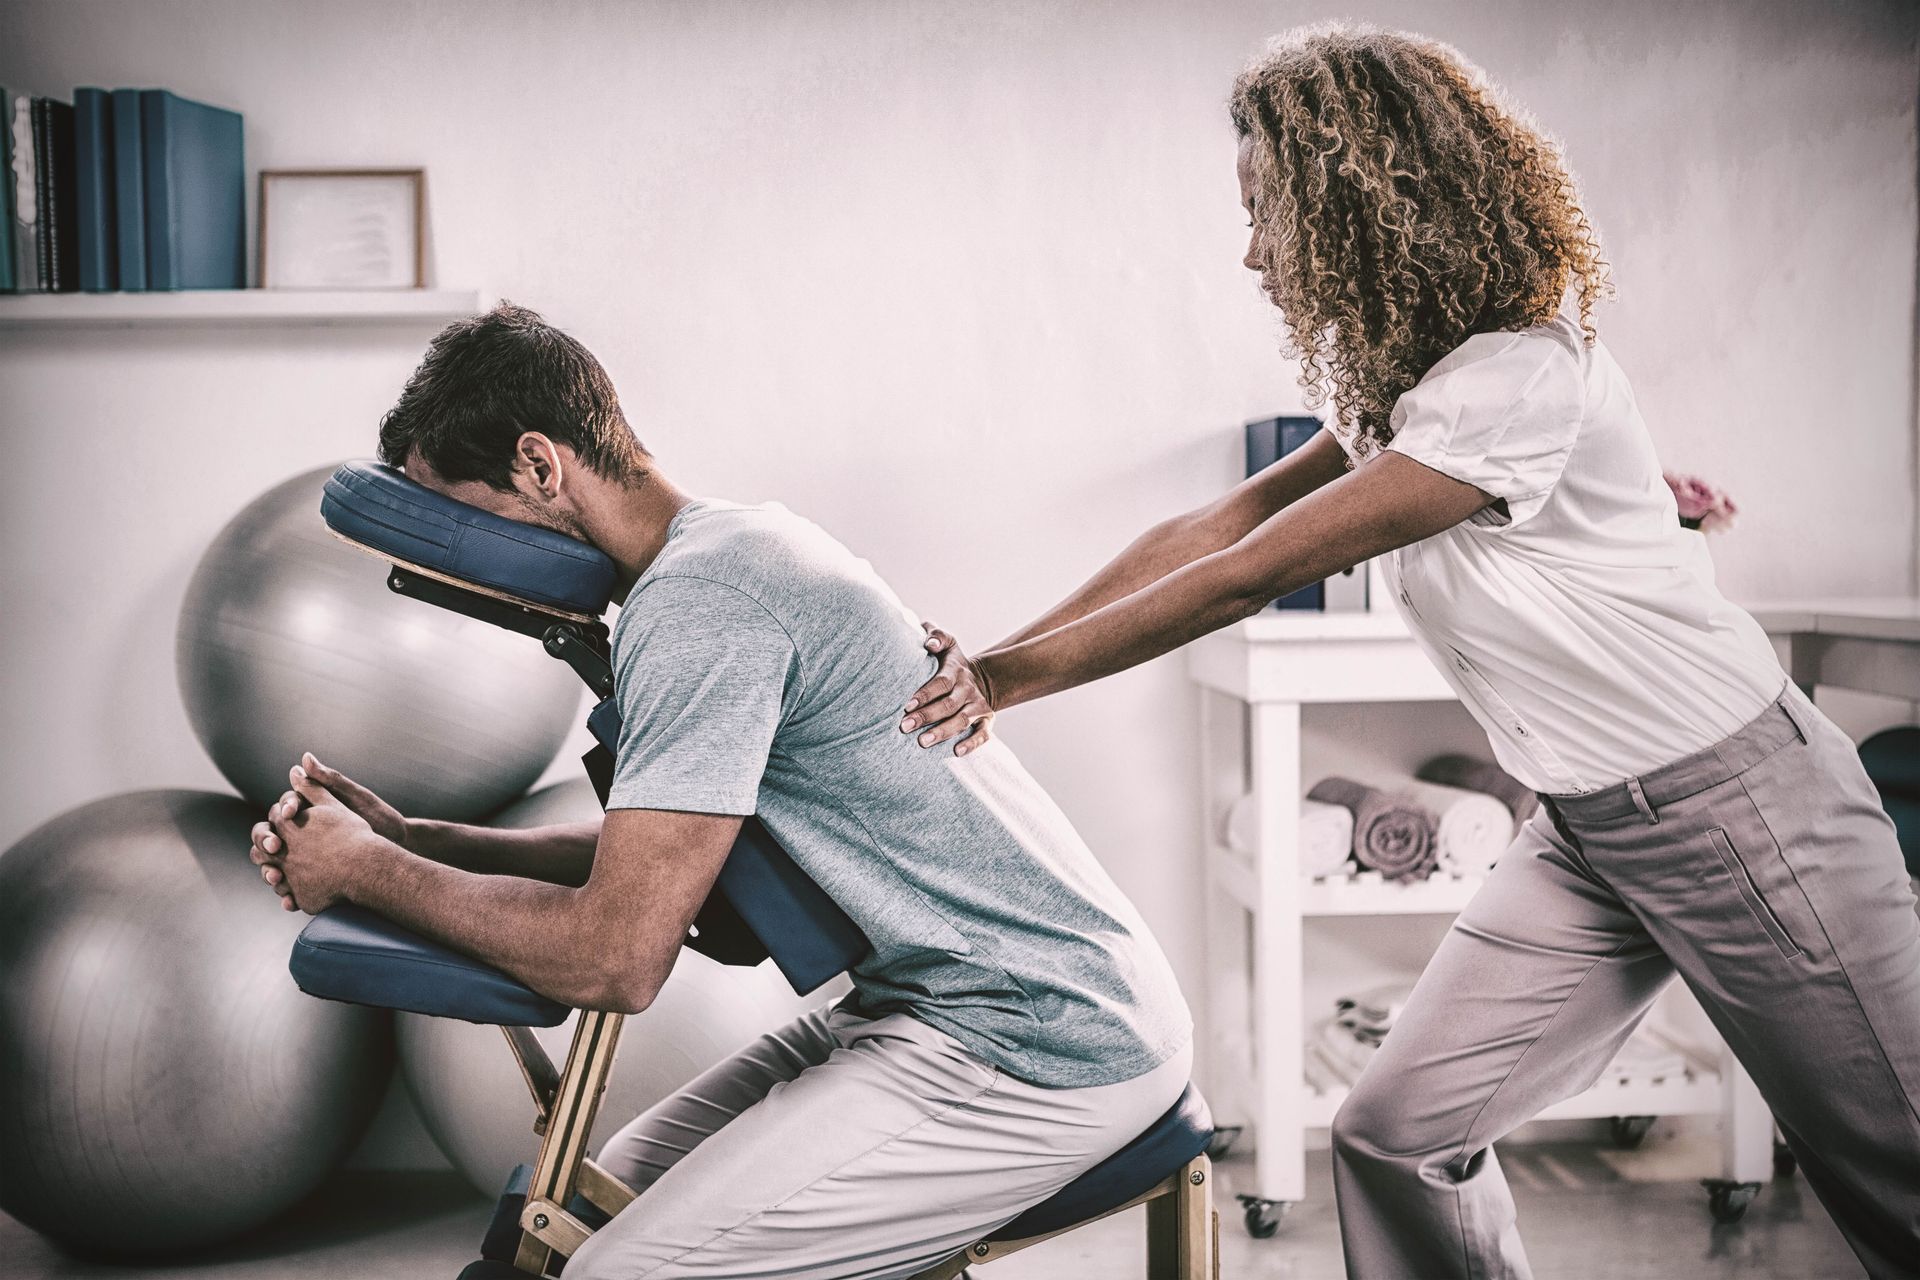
point(526, 502)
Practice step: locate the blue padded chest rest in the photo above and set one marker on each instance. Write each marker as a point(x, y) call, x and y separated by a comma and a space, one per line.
point(763, 904)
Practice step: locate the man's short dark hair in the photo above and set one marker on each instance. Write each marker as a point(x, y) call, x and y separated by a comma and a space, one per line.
point(487, 380)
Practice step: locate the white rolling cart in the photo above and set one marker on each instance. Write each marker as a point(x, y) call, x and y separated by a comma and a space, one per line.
point(1254, 679)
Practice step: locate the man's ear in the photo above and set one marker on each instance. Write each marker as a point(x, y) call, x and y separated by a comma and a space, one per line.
point(539, 458)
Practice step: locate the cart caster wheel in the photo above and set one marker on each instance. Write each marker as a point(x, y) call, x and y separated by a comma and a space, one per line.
point(1630, 1131)
point(1729, 1200)
point(1263, 1217)
point(1223, 1140)
point(1784, 1161)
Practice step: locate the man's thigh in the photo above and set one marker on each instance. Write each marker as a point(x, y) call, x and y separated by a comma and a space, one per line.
point(662, 1135)
point(1540, 981)
point(897, 1150)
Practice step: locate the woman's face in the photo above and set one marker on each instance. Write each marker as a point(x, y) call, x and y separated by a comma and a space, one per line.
point(1255, 259)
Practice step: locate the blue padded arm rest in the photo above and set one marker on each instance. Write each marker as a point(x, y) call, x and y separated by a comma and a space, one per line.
point(1172, 1140)
point(381, 508)
point(348, 953)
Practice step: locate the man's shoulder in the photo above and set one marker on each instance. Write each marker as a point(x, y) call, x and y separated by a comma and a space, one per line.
point(763, 554)
point(742, 546)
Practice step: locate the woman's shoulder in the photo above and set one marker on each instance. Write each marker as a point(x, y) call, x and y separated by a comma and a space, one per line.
point(1491, 372)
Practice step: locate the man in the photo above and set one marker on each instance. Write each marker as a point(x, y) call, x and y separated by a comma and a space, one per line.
point(1015, 1023)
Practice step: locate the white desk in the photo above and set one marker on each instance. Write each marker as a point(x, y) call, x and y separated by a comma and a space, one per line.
point(1870, 643)
point(1254, 678)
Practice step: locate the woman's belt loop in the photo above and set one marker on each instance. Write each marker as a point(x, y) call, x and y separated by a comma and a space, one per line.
point(1785, 702)
point(1640, 801)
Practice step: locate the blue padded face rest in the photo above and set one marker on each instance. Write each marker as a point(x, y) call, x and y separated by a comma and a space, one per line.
point(1169, 1142)
point(348, 953)
point(379, 507)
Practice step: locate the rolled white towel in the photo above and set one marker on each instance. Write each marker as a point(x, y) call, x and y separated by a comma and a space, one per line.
point(1326, 836)
point(1472, 829)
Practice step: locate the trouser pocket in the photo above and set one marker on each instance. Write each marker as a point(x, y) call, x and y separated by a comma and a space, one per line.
point(1750, 893)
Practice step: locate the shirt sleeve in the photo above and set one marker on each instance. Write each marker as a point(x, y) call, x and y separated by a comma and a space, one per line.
point(702, 672)
point(1500, 413)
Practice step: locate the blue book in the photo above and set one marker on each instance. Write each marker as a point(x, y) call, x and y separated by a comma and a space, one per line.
point(59, 261)
point(93, 174)
point(129, 191)
point(1268, 441)
point(196, 198)
point(9, 283)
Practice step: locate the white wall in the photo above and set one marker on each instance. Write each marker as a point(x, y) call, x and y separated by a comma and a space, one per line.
point(961, 282)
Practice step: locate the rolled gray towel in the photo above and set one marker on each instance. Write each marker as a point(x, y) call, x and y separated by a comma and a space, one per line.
point(1470, 774)
point(1390, 835)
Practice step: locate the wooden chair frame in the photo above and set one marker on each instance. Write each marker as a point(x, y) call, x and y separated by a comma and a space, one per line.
point(1183, 1230)
point(565, 1104)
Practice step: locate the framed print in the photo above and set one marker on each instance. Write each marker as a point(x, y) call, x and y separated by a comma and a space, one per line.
point(342, 228)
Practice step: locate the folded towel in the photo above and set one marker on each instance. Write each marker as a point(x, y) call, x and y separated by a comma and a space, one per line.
point(1471, 828)
point(1390, 835)
point(1348, 1056)
point(1326, 836)
point(1647, 1056)
point(1480, 775)
point(1373, 1011)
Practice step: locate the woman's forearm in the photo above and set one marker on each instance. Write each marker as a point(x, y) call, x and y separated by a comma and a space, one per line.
point(1152, 556)
point(1175, 543)
point(560, 854)
point(1180, 607)
point(1389, 503)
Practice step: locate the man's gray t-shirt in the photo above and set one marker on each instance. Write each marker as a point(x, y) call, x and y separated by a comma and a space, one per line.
point(761, 669)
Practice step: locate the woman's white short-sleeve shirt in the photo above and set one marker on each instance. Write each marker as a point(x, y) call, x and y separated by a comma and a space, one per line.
point(1577, 620)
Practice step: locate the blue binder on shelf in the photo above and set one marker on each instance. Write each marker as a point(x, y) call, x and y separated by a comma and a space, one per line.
point(193, 158)
point(94, 190)
point(129, 191)
point(1268, 441)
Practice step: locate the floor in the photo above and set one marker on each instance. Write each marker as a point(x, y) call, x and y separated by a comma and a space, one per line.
point(1588, 1214)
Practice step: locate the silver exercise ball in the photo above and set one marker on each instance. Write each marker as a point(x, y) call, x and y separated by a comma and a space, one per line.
point(163, 1084)
point(290, 641)
point(469, 1091)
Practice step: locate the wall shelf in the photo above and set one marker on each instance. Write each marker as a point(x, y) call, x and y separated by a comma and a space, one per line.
point(237, 306)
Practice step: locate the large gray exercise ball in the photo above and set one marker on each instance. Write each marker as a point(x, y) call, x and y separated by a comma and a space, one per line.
point(163, 1084)
point(469, 1092)
point(290, 641)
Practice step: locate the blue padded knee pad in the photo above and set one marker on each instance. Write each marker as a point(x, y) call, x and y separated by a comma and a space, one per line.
point(1168, 1143)
point(379, 507)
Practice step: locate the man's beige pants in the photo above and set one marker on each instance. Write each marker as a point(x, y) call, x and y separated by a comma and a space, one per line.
point(842, 1147)
point(1765, 873)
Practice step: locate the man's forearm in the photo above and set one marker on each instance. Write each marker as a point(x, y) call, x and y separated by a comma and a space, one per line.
point(545, 935)
point(560, 854)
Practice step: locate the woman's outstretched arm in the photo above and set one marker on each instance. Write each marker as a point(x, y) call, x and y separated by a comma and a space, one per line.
point(1191, 535)
point(1390, 502)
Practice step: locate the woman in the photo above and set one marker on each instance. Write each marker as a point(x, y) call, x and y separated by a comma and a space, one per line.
point(1438, 279)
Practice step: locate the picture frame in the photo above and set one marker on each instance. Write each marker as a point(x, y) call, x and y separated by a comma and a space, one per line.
point(342, 229)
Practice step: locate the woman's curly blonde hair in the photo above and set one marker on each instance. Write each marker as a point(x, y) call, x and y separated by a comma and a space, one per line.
point(1400, 205)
